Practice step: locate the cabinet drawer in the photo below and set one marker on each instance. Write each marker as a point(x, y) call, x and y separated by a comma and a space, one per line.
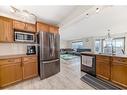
point(30, 59)
point(102, 58)
point(10, 60)
point(119, 60)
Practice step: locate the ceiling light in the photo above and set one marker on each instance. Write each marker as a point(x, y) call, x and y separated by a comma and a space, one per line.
point(97, 10)
point(87, 15)
point(13, 9)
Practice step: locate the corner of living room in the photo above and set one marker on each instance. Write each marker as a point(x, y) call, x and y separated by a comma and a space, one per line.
point(71, 49)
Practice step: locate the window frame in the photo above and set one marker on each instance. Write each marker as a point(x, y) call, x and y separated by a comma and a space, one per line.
point(76, 42)
point(115, 39)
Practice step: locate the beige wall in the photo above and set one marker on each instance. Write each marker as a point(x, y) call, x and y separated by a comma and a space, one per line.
point(63, 44)
point(12, 48)
point(88, 43)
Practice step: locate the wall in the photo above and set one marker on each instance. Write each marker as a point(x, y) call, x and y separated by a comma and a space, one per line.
point(12, 48)
point(88, 43)
point(63, 44)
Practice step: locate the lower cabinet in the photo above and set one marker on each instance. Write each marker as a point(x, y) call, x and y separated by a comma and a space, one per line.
point(13, 70)
point(103, 67)
point(119, 71)
point(30, 67)
point(10, 73)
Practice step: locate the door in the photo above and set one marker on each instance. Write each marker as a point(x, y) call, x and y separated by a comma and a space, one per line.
point(18, 25)
point(119, 71)
point(103, 67)
point(53, 29)
point(49, 46)
point(29, 69)
point(6, 31)
point(57, 46)
point(30, 27)
point(10, 73)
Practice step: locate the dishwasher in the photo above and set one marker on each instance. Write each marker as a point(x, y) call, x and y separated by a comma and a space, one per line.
point(88, 64)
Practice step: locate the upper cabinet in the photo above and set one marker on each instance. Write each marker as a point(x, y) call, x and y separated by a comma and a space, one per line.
point(42, 27)
point(46, 28)
point(6, 30)
point(18, 25)
point(53, 29)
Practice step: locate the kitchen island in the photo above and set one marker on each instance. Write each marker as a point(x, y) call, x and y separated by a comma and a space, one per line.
point(109, 67)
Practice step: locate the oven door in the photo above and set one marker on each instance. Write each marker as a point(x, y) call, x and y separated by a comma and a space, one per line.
point(88, 64)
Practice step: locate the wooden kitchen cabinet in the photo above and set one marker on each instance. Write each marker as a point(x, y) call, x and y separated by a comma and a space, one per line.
point(18, 25)
point(119, 71)
point(42, 27)
point(53, 29)
point(30, 67)
point(6, 31)
point(10, 71)
point(13, 70)
point(103, 67)
point(30, 27)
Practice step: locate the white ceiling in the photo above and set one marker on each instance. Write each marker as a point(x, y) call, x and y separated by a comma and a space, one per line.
point(48, 14)
point(97, 24)
point(73, 21)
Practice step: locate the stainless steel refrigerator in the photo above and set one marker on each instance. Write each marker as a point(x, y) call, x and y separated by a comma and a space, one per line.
point(48, 54)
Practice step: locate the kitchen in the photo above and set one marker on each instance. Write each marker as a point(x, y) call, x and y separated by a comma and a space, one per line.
point(30, 52)
point(19, 67)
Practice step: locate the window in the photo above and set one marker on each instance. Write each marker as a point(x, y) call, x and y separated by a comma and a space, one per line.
point(76, 45)
point(118, 45)
point(98, 45)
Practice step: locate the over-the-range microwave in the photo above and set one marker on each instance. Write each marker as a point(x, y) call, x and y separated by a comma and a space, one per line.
point(24, 37)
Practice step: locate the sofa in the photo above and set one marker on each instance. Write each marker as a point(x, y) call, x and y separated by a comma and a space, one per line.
point(78, 51)
point(73, 52)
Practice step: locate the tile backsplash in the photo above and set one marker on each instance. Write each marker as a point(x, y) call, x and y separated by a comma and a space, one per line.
point(12, 48)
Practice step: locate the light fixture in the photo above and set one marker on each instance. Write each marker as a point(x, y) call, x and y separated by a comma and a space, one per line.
point(87, 15)
point(23, 13)
point(97, 10)
point(13, 9)
point(108, 44)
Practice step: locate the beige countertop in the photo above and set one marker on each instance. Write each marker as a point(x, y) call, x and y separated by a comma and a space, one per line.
point(15, 56)
point(102, 54)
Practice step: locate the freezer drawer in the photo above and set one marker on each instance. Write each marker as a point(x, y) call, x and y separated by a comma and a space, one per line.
point(49, 68)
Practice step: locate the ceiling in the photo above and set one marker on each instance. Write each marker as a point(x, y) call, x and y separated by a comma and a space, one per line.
point(96, 24)
point(73, 22)
point(48, 14)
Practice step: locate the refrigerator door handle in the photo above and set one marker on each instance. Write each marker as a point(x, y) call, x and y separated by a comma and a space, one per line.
point(51, 61)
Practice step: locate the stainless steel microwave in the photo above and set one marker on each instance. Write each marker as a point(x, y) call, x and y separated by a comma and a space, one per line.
point(24, 37)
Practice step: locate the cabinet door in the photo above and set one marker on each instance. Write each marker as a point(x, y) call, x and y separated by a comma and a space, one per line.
point(42, 27)
point(6, 31)
point(30, 27)
point(10, 73)
point(103, 67)
point(53, 29)
point(29, 69)
point(18, 25)
point(119, 72)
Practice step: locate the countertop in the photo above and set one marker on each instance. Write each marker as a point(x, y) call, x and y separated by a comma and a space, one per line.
point(15, 56)
point(102, 54)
